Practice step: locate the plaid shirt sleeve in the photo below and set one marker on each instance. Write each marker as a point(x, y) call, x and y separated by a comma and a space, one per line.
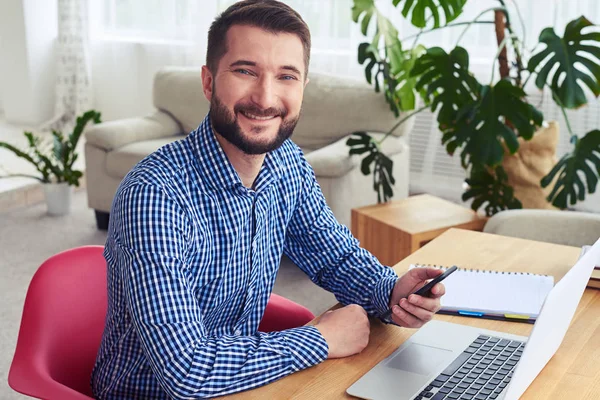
point(328, 253)
point(187, 361)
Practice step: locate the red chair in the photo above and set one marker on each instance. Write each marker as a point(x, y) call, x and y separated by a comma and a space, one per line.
point(63, 319)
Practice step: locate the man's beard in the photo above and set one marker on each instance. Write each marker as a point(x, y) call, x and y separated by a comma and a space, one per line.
point(226, 125)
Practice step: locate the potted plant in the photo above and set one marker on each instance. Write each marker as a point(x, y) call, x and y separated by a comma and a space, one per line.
point(54, 161)
point(482, 121)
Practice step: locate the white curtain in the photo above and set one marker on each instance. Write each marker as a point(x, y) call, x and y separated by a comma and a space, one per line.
point(73, 81)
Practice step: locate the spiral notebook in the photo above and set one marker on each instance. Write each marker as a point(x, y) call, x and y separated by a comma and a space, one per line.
point(493, 294)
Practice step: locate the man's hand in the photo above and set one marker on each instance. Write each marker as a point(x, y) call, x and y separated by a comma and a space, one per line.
point(346, 330)
point(415, 311)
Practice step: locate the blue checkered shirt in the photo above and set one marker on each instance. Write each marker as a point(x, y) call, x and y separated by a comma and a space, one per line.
point(192, 256)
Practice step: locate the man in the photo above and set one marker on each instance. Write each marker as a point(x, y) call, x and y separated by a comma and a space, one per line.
point(198, 229)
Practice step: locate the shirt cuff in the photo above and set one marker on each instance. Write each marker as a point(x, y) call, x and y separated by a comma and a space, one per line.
point(307, 346)
point(382, 293)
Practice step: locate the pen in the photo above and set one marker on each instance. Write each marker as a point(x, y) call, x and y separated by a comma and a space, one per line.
point(470, 313)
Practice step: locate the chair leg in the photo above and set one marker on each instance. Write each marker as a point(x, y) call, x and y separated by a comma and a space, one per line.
point(102, 220)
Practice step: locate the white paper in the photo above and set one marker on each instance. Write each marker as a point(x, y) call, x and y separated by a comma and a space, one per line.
point(492, 292)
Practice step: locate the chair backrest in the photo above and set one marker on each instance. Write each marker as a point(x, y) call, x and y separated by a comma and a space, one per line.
point(62, 324)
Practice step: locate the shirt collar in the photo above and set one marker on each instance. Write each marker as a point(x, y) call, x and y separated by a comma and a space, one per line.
point(216, 168)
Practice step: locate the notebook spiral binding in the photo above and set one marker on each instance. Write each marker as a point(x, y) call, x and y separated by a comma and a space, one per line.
point(482, 271)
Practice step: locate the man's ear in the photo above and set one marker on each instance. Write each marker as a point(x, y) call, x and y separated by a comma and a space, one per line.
point(306, 82)
point(207, 83)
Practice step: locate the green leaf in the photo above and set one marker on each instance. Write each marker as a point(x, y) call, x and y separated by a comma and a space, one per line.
point(481, 127)
point(361, 6)
point(365, 165)
point(58, 150)
point(366, 51)
point(583, 161)
point(447, 81)
point(380, 67)
point(82, 121)
point(490, 187)
point(560, 57)
point(18, 153)
point(405, 87)
point(418, 10)
point(360, 143)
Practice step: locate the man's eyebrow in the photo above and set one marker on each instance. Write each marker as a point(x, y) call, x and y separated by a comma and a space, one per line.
point(292, 68)
point(243, 62)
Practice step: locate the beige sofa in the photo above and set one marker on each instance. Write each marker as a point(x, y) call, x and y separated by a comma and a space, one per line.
point(333, 108)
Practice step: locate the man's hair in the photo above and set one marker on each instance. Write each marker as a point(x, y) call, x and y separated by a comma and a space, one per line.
point(270, 15)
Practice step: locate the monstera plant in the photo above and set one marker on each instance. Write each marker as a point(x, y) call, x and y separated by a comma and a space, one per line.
point(481, 121)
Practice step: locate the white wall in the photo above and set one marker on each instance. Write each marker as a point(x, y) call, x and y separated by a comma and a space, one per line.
point(1, 81)
point(29, 29)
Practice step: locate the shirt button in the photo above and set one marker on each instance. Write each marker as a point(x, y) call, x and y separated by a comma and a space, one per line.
point(238, 332)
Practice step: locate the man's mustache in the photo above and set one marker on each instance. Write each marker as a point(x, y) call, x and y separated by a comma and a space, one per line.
point(254, 110)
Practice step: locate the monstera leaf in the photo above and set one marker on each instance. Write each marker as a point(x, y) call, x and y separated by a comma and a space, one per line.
point(394, 61)
point(383, 178)
point(483, 126)
point(450, 8)
point(574, 48)
point(490, 187)
point(572, 166)
point(447, 81)
point(384, 29)
point(406, 83)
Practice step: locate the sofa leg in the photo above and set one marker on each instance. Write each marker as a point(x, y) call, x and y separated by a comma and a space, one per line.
point(102, 220)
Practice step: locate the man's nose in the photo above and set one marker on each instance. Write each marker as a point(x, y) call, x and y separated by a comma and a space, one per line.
point(263, 93)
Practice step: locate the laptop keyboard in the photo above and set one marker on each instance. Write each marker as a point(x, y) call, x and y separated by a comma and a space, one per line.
point(480, 372)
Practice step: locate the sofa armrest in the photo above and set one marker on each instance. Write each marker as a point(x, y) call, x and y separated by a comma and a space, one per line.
point(333, 160)
point(114, 134)
point(571, 228)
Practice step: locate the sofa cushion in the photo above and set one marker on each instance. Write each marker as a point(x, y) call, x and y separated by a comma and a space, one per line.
point(334, 107)
point(119, 162)
point(178, 91)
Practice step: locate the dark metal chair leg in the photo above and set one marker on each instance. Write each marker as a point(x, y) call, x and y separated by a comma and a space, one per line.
point(102, 220)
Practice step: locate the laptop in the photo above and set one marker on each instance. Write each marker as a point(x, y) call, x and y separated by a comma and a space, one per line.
point(450, 361)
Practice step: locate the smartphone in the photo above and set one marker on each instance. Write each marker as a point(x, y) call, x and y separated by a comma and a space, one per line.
point(425, 290)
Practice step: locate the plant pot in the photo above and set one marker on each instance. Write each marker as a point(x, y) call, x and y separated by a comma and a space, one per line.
point(533, 161)
point(58, 198)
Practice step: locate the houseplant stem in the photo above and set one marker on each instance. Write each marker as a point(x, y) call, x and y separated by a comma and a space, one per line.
point(400, 123)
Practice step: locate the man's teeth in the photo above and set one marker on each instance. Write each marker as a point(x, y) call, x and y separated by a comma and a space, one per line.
point(257, 117)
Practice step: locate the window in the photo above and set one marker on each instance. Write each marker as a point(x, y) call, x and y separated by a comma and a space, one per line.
point(155, 20)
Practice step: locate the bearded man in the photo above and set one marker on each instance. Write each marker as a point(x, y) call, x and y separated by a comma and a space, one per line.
point(198, 229)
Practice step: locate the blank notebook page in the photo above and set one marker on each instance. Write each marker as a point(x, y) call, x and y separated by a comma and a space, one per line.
point(495, 292)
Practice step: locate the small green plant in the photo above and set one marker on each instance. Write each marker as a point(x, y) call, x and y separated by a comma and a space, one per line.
point(54, 160)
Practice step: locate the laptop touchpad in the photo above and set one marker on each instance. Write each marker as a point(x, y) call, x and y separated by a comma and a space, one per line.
point(419, 359)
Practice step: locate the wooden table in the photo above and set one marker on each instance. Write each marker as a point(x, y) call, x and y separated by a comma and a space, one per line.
point(573, 372)
point(394, 230)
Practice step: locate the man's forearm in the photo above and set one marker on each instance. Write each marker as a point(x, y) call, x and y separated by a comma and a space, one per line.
point(229, 364)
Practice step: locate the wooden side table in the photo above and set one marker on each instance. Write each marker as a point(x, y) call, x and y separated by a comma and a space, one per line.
point(394, 230)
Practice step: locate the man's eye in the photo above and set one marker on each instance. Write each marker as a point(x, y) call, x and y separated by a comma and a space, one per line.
point(243, 71)
point(289, 78)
